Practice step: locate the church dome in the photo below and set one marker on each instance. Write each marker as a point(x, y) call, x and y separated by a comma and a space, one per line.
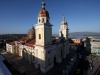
point(64, 22)
point(31, 33)
point(43, 12)
point(32, 30)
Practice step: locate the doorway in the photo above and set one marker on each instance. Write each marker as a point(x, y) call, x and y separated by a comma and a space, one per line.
point(38, 66)
point(61, 52)
point(55, 61)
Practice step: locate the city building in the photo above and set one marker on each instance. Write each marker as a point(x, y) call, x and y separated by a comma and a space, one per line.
point(84, 42)
point(75, 43)
point(93, 45)
point(39, 47)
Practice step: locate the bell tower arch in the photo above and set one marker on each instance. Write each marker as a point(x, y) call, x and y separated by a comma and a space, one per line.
point(43, 28)
point(63, 32)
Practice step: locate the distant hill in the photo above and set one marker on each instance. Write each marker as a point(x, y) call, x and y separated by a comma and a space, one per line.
point(82, 34)
point(85, 33)
point(54, 35)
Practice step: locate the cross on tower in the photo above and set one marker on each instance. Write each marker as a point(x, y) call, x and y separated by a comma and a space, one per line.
point(63, 18)
point(43, 5)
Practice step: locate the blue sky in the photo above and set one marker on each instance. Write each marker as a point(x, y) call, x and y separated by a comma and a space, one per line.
point(18, 16)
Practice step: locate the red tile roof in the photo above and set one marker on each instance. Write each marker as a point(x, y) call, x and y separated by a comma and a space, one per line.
point(23, 39)
point(74, 44)
point(30, 43)
point(11, 43)
point(33, 42)
point(53, 39)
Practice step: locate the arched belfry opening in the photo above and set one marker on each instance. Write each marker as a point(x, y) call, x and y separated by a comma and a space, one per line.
point(43, 15)
point(64, 29)
point(43, 38)
point(39, 20)
point(42, 20)
point(61, 33)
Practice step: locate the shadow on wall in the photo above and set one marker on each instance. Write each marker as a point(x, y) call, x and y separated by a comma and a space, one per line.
point(39, 63)
point(83, 65)
point(89, 46)
point(30, 58)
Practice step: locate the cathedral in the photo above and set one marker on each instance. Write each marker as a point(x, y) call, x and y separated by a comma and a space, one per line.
point(39, 47)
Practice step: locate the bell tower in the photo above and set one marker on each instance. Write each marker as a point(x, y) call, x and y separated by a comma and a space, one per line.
point(63, 32)
point(43, 28)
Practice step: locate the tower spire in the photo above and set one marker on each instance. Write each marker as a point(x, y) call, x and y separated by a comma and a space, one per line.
point(63, 18)
point(43, 5)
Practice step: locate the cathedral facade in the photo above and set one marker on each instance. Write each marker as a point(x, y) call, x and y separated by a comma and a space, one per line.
point(39, 47)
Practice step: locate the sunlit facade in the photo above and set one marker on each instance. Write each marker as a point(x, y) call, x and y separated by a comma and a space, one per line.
point(93, 45)
point(39, 47)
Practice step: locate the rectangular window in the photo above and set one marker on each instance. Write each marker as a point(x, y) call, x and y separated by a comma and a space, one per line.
point(39, 36)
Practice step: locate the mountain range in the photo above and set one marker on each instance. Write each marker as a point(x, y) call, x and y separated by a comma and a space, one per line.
point(82, 34)
point(85, 33)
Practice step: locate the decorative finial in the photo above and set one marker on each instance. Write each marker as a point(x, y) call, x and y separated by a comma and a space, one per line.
point(63, 18)
point(43, 5)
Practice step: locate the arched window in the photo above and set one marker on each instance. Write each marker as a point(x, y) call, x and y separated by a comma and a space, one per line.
point(39, 20)
point(42, 20)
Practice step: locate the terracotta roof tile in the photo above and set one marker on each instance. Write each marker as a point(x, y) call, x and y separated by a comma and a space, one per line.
point(11, 43)
point(23, 39)
point(43, 13)
point(53, 39)
point(30, 43)
point(74, 44)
